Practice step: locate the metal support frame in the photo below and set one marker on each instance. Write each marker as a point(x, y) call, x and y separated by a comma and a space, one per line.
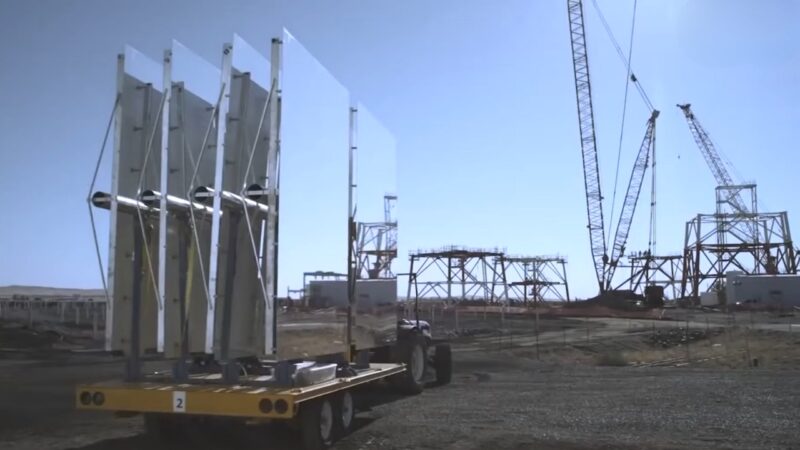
point(719, 169)
point(222, 114)
point(541, 277)
point(270, 251)
point(477, 274)
point(654, 270)
point(162, 221)
point(797, 258)
point(718, 243)
point(134, 364)
point(352, 232)
point(181, 368)
point(628, 207)
point(728, 193)
point(230, 368)
point(376, 246)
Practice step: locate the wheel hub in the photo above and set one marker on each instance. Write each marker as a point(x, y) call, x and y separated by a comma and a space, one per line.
point(325, 420)
point(347, 409)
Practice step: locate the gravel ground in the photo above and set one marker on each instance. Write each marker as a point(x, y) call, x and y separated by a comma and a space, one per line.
point(500, 402)
point(499, 399)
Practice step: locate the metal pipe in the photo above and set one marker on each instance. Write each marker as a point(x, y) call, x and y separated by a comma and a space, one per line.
point(174, 204)
point(204, 193)
point(126, 204)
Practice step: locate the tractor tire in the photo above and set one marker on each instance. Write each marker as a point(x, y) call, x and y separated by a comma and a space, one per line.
point(411, 351)
point(443, 364)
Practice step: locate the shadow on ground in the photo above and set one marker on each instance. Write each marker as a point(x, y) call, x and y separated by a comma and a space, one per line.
point(265, 437)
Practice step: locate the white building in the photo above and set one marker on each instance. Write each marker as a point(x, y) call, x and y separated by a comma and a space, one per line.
point(762, 290)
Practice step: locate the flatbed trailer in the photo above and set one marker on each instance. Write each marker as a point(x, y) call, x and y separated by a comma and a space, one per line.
point(321, 408)
point(317, 398)
point(205, 396)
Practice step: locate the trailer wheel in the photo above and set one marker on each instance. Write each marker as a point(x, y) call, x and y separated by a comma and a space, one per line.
point(443, 363)
point(344, 408)
point(410, 351)
point(316, 424)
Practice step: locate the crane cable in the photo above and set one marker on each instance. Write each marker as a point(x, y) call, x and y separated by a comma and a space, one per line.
point(621, 54)
point(627, 62)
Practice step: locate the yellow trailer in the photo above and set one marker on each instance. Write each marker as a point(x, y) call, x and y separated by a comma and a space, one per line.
point(316, 397)
point(205, 397)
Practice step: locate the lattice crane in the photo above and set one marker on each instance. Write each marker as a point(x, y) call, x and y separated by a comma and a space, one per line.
point(591, 171)
point(605, 266)
point(632, 196)
point(712, 157)
point(721, 174)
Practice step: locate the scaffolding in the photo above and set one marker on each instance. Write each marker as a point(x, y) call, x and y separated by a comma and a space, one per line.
point(376, 244)
point(645, 270)
point(735, 238)
point(536, 278)
point(797, 258)
point(458, 274)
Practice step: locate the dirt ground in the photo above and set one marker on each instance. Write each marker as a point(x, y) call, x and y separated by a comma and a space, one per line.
point(589, 384)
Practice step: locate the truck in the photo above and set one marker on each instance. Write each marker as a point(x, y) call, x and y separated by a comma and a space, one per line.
point(191, 282)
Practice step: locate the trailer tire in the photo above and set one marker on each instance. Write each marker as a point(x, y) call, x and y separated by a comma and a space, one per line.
point(443, 364)
point(317, 424)
point(344, 409)
point(410, 351)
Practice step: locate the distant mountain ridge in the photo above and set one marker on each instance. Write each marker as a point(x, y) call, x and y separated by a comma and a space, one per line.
point(45, 291)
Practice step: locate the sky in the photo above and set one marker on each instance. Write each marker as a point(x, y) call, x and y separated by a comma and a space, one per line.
point(478, 94)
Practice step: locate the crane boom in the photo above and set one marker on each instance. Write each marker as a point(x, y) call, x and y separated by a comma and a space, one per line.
point(632, 196)
point(712, 157)
point(591, 173)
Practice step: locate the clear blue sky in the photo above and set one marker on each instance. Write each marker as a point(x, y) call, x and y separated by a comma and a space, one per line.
point(479, 95)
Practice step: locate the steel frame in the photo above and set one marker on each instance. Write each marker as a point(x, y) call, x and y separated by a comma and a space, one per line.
point(376, 245)
point(631, 199)
point(654, 270)
point(725, 241)
point(544, 277)
point(479, 273)
point(796, 258)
